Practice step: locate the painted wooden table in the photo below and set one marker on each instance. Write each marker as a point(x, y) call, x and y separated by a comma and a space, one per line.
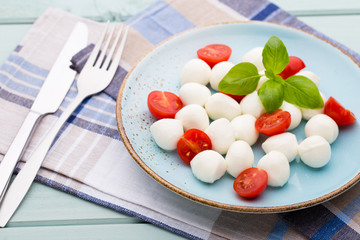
point(47, 213)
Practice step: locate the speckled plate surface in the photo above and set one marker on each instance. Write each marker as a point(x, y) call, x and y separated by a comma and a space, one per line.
point(160, 70)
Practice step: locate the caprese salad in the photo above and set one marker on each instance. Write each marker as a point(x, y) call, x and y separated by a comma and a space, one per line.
point(268, 93)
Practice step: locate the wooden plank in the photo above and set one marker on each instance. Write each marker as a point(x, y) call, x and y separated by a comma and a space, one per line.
point(89, 232)
point(319, 7)
point(20, 12)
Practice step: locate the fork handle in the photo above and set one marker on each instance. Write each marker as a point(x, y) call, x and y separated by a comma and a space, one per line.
point(24, 179)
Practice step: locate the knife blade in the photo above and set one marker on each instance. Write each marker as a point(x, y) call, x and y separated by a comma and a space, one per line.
point(48, 100)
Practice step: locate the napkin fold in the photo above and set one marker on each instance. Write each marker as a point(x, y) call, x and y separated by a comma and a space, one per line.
point(89, 159)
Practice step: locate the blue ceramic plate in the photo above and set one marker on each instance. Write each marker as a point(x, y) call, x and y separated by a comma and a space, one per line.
point(160, 70)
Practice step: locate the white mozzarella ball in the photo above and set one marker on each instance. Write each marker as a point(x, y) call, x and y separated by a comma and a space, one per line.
point(194, 93)
point(167, 132)
point(315, 151)
point(277, 167)
point(251, 104)
point(244, 128)
point(284, 142)
point(295, 113)
point(239, 157)
point(208, 166)
point(310, 75)
point(254, 56)
point(221, 135)
point(218, 72)
point(195, 70)
point(322, 125)
point(309, 113)
point(220, 105)
point(193, 116)
point(261, 82)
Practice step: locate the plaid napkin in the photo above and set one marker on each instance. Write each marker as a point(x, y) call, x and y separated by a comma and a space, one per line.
point(89, 160)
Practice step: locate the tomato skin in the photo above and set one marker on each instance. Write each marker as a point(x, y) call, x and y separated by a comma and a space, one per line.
point(338, 113)
point(251, 182)
point(163, 104)
point(191, 143)
point(237, 98)
point(214, 53)
point(294, 66)
point(273, 123)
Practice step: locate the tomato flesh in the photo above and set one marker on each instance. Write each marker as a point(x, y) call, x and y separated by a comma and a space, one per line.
point(237, 98)
point(338, 113)
point(191, 143)
point(293, 67)
point(214, 53)
point(251, 182)
point(163, 104)
point(273, 123)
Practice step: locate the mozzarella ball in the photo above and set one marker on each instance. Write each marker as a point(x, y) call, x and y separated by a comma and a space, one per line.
point(244, 128)
point(308, 113)
point(194, 93)
point(295, 113)
point(218, 72)
point(310, 75)
point(196, 70)
point(167, 132)
point(285, 143)
point(193, 116)
point(208, 166)
point(261, 81)
point(251, 104)
point(220, 105)
point(315, 151)
point(254, 56)
point(322, 125)
point(277, 167)
point(221, 135)
point(239, 157)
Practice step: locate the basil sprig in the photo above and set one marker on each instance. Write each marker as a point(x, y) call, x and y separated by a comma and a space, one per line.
point(244, 77)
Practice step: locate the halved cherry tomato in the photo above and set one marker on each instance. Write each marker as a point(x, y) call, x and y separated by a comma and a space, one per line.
point(214, 53)
point(251, 182)
point(237, 98)
point(273, 123)
point(338, 113)
point(294, 66)
point(163, 104)
point(191, 143)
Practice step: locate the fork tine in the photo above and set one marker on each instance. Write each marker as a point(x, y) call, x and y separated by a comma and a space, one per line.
point(111, 52)
point(100, 59)
point(116, 59)
point(95, 52)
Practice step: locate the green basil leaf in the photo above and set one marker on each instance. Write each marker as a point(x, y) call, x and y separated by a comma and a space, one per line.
point(275, 55)
point(303, 92)
point(242, 79)
point(271, 94)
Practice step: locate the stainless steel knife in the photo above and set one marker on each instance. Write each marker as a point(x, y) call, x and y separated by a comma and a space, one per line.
point(48, 100)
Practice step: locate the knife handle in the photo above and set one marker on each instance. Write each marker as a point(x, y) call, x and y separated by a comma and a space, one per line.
point(16, 149)
point(21, 184)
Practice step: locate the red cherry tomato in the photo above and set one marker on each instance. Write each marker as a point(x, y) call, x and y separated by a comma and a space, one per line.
point(237, 98)
point(214, 53)
point(294, 66)
point(273, 123)
point(163, 104)
point(191, 143)
point(338, 113)
point(251, 182)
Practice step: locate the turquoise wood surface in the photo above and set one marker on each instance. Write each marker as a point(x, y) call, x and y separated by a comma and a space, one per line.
point(47, 213)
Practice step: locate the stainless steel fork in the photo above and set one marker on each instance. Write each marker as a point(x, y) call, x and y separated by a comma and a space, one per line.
point(96, 75)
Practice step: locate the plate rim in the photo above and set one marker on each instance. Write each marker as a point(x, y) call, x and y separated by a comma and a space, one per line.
point(201, 200)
